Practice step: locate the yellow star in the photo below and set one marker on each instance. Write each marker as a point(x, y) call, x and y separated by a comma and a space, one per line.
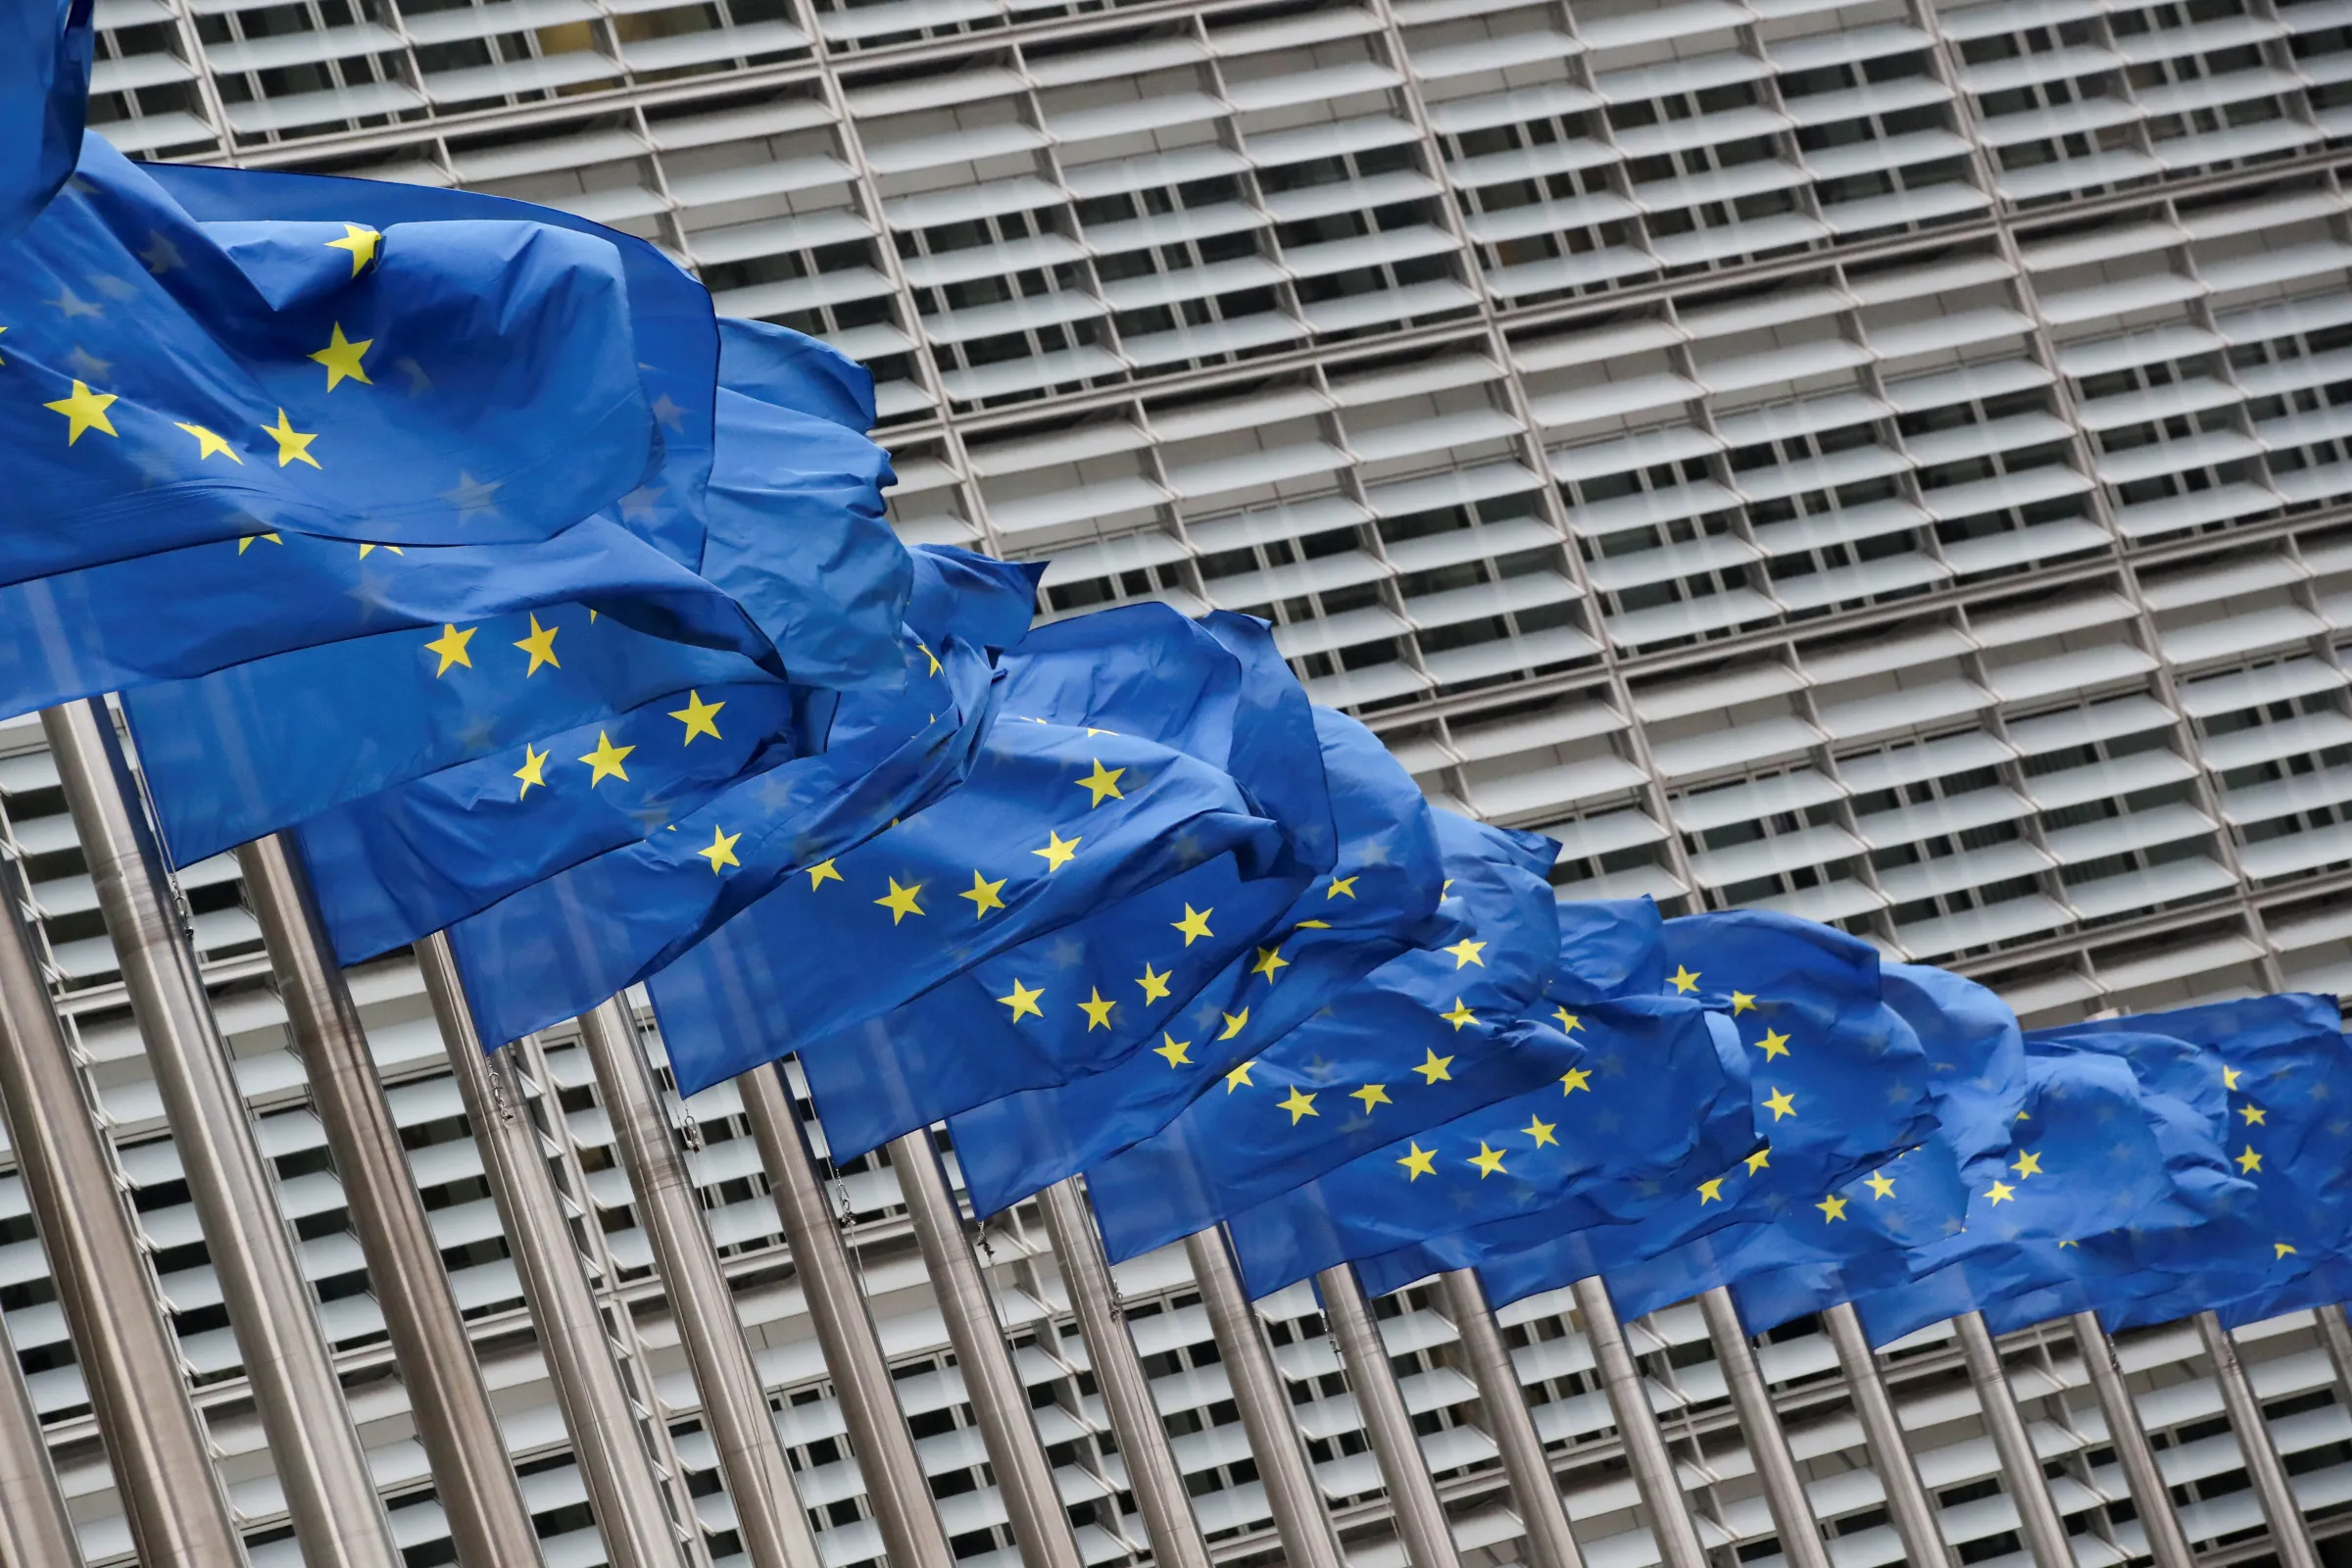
point(531, 772)
point(1298, 1104)
point(1833, 1208)
point(1541, 1131)
point(541, 646)
point(721, 851)
point(292, 445)
point(1269, 960)
point(1315, 925)
point(1235, 1024)
point(246, 543)
point(1177, 1052)
point(1341, 886)
point(2280, 1250)
point(1488, 1161)
point(1880, 1186)
point(341, 356)
point(2063, 1246)
point(1195, 924)
point(1103, 784)
point(1239, 1078)
point(1418, 1161)
point(1466, 952)
point(983, 894)
point(1761, 1159)
point(1570, 1023)
point(1574, 1079)
point(1057, 849)
point(1999, 1192)
point(2229, 1075)
point(1461, 1014)
point(2027, 1164)
point(2249, 1162)
point(1711, 1192)
point(1022, 1002)
point(1434, 1067)
point(1781, 1104)
point(84, 411)
point(934, 669)
point(899, 902)
point(1774, 1044)
point(368, 549)
point(208, 445)
point(360, 242)
point(2254, 1114)
point(821, 872)
point(1097, 1010)
point(1156, 986)
point(604, 762)
point(1742, 1003)
point(1683, 980)
point(1372, 1095)
point(697, 715)
point(451, 646)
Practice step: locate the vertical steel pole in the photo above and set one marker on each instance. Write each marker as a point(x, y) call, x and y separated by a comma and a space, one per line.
point(2151, 1500)
point(845, 1331)
point(1041, 1525)
point(2037, 1520)
point(1767, 1442)
point(2335, 1333)
point(330, 1493)
point(1670, 1521)
point(1265, 1400)
point(1151, 1472)
point(623, 1491)
point(488, 1522)
point(2291, 1536)
point(1542, 1513)
point(751, 1459)
point(171, 1496)
point(1907, 1506)
point(1412, 1494)
point(35, 1531)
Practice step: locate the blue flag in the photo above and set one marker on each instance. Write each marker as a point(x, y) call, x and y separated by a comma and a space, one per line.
point(45, 50)
point(1426, 1037)
point(177, 384)
point(1380, 899)
point(1108, 985)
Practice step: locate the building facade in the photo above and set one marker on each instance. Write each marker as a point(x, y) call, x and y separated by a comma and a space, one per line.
point(1878, 462)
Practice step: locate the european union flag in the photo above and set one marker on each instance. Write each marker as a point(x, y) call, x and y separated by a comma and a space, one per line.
point(175, 383)
point(1380, 899)
point(45, 49)
point(1426, 1037)
point(1028, 842)
point(1104, 986)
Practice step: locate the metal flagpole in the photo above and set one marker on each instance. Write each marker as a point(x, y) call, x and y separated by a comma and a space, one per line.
point(895, 1483)
point(2335, 1333)
point(2291, 1536)
point(1907, 1506)
point(2037, 1521)
point(1670, 1521)
point(35, 1531)
point(1542, 1513)
point(330, 1493)
point(1307, 1537)
point(751, 1459)
point(1767, 1441)
point(2151, 1498)
point(171, 1496)
point(1412, 1494)
point(472, 1478)
point(1041, 1525)
point(622, 1490)
point(1152, 1473)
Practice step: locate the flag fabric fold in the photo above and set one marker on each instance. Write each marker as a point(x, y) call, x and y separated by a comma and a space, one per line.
point(46, 48)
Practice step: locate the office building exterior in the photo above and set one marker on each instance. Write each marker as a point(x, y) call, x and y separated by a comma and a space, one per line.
point(1878, 462)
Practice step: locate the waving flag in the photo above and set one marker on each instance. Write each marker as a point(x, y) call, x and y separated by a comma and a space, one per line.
point(45, 51)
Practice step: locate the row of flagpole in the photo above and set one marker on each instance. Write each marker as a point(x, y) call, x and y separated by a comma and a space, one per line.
point(178, 1513)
